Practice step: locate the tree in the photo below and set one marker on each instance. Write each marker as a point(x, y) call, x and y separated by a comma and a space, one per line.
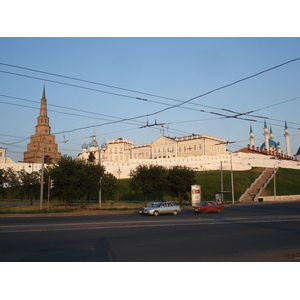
point(12, 181)
point(158, 178)
point(92, 157)
point(3, 180)
point(109, 184)
point(88, 176)
point(180, 180)
point(149, 179)
point(64, 175)
point(28, 182)
point(74, 177)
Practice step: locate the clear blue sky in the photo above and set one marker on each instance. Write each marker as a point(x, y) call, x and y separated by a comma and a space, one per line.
point(176, 68)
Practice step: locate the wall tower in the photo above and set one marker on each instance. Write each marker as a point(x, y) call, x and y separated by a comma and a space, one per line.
point(42, 137)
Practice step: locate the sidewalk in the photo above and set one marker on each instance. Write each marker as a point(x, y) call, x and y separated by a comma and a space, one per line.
point(77, 213)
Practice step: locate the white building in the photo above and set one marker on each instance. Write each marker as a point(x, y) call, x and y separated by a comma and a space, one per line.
point(6, 162)
point(199, 152)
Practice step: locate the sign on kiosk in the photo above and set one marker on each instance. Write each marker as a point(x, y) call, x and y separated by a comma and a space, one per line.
point(196, 195)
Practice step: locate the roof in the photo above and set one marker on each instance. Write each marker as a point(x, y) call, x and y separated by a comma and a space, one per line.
point(271, 144)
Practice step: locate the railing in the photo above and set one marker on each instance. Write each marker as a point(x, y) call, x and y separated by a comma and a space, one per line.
point(265, 184)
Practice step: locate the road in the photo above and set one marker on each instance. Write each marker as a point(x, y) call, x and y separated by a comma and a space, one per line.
point(241, 233)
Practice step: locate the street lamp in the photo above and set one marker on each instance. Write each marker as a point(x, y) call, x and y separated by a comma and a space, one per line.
point(100, 199)
point(275, 181)
point(119, 172)
point(232, 185)
point(42, 176)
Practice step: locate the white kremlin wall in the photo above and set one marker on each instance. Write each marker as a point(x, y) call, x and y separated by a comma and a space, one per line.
point(240, 162)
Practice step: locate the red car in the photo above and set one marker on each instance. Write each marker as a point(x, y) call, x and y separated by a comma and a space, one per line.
point(208, 206)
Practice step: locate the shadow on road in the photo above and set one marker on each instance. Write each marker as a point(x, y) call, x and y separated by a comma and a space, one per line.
point(102, 253)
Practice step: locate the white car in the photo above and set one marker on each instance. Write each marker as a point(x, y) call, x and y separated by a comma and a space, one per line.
point(162, 208)
point(150, 204)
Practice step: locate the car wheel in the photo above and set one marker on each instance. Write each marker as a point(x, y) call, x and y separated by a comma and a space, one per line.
point(203, 211)
point(175, 212)
point(219, 210)
point(156, 213)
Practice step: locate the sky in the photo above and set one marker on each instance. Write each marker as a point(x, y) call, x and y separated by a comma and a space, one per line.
point(112, 72)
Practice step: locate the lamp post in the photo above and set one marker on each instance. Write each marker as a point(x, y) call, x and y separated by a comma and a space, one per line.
point(222, 200)
point(100, 193)
point(275, 181)
point(42, 176)
point(232, 185)
point(119, 172)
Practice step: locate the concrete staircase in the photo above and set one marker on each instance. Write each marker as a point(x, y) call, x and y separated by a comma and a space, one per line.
point(254, 191)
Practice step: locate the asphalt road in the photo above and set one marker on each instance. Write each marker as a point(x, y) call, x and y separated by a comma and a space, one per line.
point(241, 233)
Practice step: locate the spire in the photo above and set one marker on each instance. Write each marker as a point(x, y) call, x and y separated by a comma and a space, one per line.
point(285, 125)
point(44, 92)
point(43, 106)
point(271, 134)
point(265, 125)
point(251, 131)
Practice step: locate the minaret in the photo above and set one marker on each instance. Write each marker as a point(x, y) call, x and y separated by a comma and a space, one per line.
point(271, 134)
point(42, 137)
point(266, 135)
point(251, 137)
point(287, 139)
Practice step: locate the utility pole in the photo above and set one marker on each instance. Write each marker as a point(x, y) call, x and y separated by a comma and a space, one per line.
point(222, 182)
point(42, 176)
point(49, 186)
point(232, 185)
point(274, 183)
point(100, 199)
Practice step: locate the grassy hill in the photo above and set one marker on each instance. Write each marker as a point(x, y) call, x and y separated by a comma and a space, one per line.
point(287, 183)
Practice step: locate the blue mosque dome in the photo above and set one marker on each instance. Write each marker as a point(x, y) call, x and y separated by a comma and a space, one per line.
point(271, 144)
point(103, 145)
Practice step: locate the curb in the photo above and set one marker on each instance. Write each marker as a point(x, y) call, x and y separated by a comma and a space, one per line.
point(66, 214)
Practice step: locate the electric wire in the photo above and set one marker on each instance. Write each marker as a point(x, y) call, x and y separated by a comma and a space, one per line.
point(157, 112)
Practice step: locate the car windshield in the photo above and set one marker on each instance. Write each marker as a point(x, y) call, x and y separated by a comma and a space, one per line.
point(203, 203)
point(151, 204)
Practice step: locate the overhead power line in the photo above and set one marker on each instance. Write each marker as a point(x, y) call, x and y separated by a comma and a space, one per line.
point(160, 111)
point(88, 81)
point(230, 84)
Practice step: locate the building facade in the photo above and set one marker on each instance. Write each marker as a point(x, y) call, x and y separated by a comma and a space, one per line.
point(121, 150)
